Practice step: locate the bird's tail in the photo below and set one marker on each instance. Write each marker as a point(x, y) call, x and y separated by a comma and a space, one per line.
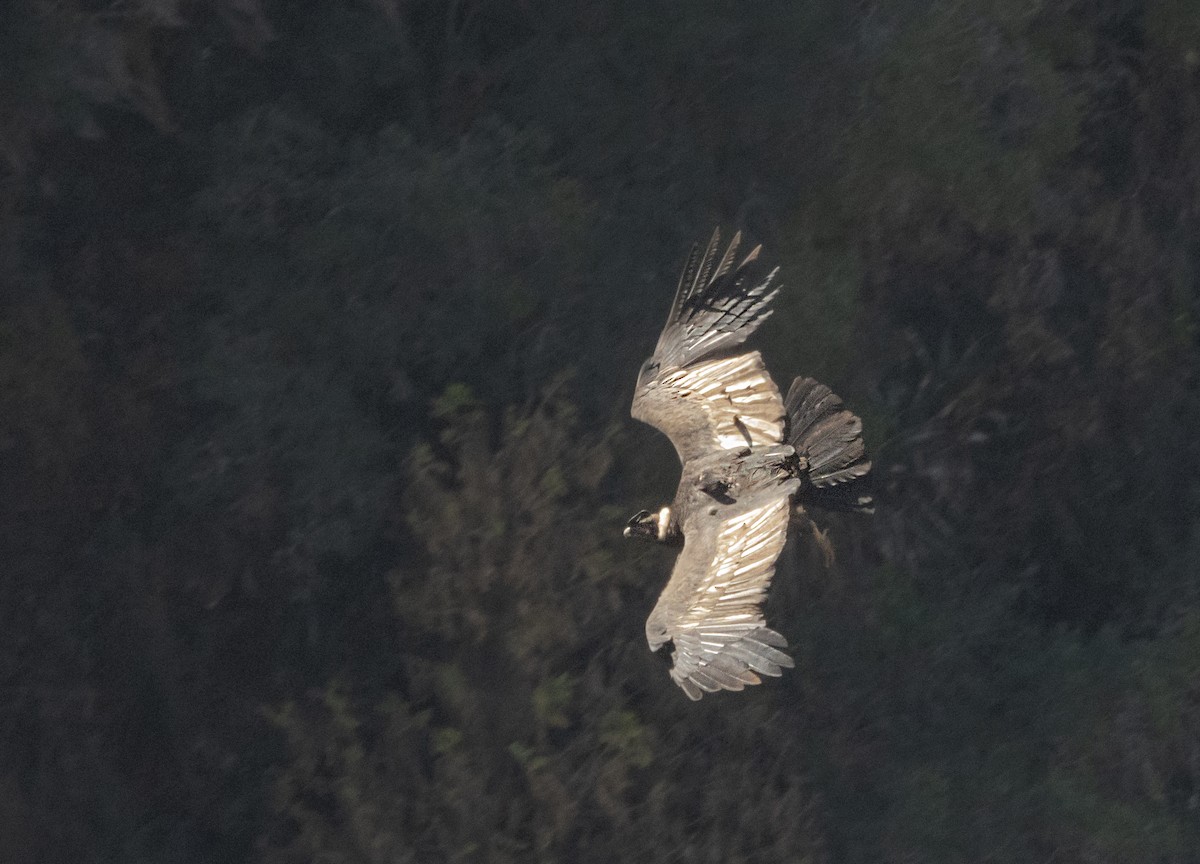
point(829, 437)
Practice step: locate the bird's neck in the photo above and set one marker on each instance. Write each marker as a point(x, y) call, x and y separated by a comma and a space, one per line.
point(664, 523)
point(668, 528)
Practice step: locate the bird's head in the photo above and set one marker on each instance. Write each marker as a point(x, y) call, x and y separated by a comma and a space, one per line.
point(652, 526)
point(643, 525)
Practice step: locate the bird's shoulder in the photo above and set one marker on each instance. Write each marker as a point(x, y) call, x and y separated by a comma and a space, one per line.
point(725, 483)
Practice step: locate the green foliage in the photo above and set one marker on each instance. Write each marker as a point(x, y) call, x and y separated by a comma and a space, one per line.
point(821, 293)
point(552, 699)
point(623, 733)
point(482, 517)
point(454, 399)
point(337, 800)
point(1173, 26)
point(446, 739)
point(965, 104)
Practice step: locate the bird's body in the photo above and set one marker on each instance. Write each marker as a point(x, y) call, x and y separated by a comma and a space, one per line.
point(751, 460)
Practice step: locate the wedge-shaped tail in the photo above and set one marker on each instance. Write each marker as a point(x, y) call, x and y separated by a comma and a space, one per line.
point(829, 437)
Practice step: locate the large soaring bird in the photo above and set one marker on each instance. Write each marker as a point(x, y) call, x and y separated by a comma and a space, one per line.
point(751, 463)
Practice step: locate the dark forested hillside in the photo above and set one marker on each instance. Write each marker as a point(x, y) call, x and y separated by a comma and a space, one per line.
point(318, 328)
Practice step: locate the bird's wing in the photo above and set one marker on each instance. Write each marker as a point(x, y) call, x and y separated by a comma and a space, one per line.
point(724, 404)
point(712, 605)
point(691, 389)
point(717, 305)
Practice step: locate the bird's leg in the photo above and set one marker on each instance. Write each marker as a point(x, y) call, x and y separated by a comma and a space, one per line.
point(821, 538)
point(714, 482)
point(718, 490)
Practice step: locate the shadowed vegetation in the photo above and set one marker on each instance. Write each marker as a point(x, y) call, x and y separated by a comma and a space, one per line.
point(318, 328)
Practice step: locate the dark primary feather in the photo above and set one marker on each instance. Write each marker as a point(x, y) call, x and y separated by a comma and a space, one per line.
point(688, 277)
point(714, 310)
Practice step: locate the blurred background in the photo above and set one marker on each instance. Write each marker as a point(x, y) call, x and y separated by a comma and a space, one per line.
point(318, 328)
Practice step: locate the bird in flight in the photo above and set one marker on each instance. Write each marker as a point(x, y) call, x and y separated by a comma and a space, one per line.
point(752, 462)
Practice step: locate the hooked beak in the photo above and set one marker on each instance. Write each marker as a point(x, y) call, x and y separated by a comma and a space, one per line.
point(641, 525)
